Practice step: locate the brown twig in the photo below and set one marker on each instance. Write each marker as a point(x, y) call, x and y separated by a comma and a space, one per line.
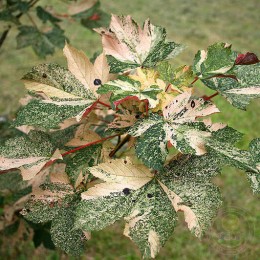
point(125, 140)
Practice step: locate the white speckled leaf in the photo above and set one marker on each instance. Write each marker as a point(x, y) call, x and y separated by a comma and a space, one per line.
point(187, 183)
point(29, 153)
point(134, 176)
point(218, 59)
point(151, 220)
point(240, 91)
point(179, 126)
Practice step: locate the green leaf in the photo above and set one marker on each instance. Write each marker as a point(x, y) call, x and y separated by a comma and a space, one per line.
point(151, 220)
point(133, 46)
point(6, 15)
point(11, 181)
point(96, 214)
point(46, 16)
point(37, 143)
point(241, 89)
point(218, 59)
point(77, 163)
point(220, 146)
point(124, 87)
point(166, 71)
point(151, 147)
point(43, 44)
point(48, 115)
point(199, 200)
point(64, 235)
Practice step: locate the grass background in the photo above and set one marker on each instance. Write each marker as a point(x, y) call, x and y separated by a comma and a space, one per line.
point(235, 233)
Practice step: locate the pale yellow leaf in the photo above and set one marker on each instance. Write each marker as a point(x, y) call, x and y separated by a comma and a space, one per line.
point(49, 91)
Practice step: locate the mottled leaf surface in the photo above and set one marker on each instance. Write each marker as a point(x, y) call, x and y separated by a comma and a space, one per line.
point(178, 125)
point(132, 46)
point(239, 91)
point(218, 59)
point(124, 87)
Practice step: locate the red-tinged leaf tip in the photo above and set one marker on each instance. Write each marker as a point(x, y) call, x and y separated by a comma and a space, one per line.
point(94, 17)
point(247, 59)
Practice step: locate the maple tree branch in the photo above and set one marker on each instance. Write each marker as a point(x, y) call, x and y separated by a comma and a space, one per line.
point(210, 97)
point(195, 79)
point(104, 104)
point(79, 148)
point(121, 143)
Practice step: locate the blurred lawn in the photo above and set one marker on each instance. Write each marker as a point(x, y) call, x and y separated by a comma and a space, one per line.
point(236, 231)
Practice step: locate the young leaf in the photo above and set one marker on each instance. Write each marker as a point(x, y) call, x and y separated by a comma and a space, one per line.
point(130, 46)
point(218, 59)
point(123, 87)
point(46, 16)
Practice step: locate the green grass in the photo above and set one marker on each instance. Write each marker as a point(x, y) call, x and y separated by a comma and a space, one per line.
point(235, 233)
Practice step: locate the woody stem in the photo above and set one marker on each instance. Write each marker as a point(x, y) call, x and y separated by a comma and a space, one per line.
point(120, 144)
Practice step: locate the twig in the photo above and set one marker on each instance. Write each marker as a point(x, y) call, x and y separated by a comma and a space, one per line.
point(125, 140)
point(210, 97)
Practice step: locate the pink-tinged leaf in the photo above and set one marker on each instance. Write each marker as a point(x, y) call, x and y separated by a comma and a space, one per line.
point(247, 59)
point(184, 109)
point(133, 45)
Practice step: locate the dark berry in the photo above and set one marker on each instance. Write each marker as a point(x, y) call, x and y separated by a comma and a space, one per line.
point(126, 191)
point(149, 195)
point(97, 82)
point(137, 116)
point(192, 104)
point(44, 75)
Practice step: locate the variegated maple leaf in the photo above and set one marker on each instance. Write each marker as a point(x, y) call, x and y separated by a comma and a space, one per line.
point(179, 125)
point(28, 153)
point(130, 46)
point(218, 59)
point(149, 202)
point(64, 94)
point(240, 86)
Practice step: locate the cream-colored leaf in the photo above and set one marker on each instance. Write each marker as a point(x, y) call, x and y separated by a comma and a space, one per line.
point(133, 176)
point(154, 241)
point(103, 189)
point(102, 68)
point(49, 91)
point(29, 171)
point(184, 109)
point(10, 163)
point(79, 65)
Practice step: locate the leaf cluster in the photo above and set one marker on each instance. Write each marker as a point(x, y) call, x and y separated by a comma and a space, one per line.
point(127, 137)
